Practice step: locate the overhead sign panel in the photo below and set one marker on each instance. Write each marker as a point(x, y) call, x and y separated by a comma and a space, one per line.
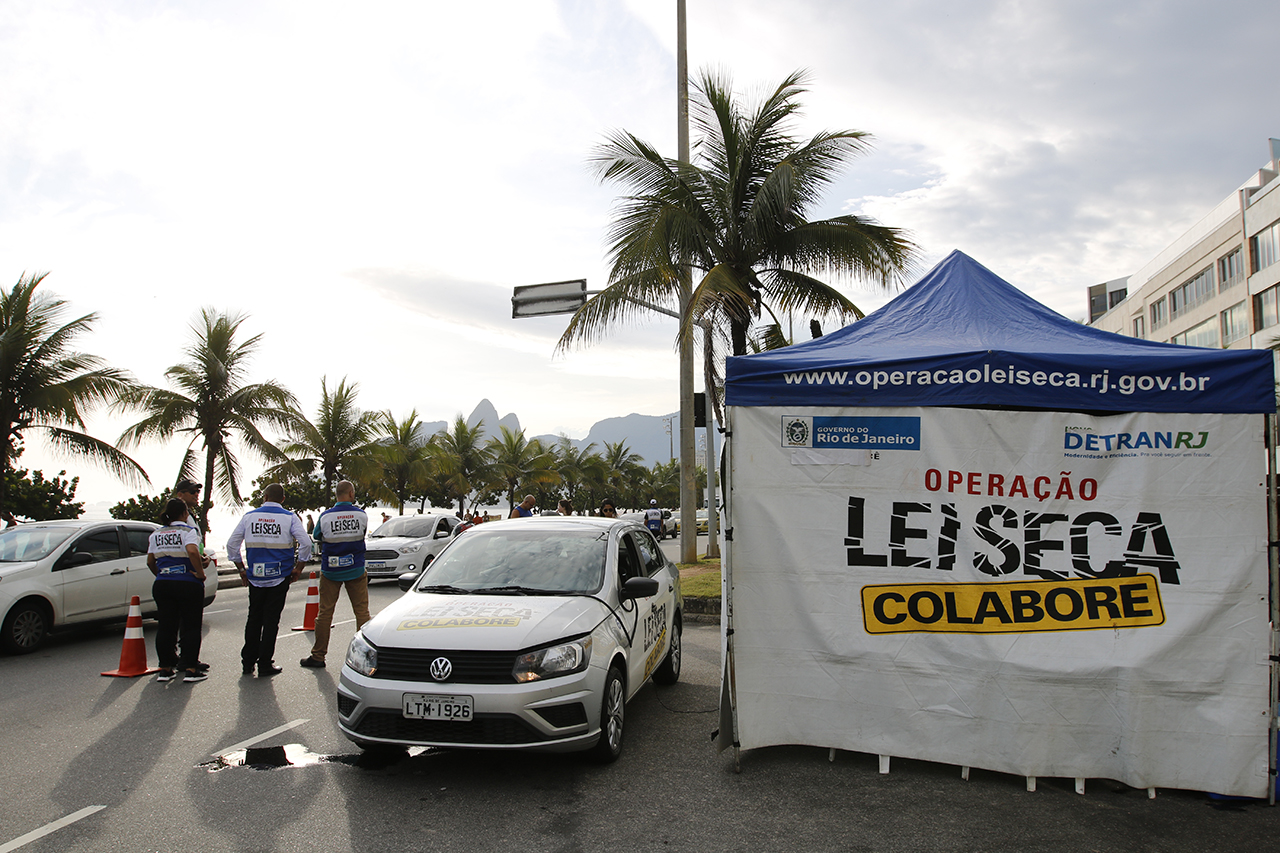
point(557, 297)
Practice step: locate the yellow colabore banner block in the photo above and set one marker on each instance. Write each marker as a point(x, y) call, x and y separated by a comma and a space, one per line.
point(1014, 607)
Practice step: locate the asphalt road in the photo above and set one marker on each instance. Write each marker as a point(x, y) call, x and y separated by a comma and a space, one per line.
point(144, 752)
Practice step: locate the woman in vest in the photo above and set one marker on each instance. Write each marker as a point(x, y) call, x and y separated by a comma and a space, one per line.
point(173, 555)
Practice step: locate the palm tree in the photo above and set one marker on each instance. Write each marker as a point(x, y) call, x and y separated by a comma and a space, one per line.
point(737, 215)
point(405, 456)
point(211, 404)
point(518, 462)
point(622, 472)
point(464, 464)
point(341, 439)
point(579, 468)
point(46, 385)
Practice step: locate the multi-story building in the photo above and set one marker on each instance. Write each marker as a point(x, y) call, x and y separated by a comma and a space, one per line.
point(1218, 285)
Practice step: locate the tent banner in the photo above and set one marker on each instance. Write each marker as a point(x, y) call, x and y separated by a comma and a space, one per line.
point(1036, 593)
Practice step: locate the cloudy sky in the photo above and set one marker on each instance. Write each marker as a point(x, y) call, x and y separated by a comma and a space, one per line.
point(367, 182)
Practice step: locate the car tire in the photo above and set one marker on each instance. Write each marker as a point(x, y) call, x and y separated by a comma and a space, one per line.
point(25, 627)
point(668, 672)
point(612, 717)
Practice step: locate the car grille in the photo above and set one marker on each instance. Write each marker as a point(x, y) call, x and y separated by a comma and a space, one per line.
point(483, 729)
point(346, 705)
point(562, 716)
point(381, 555)
point(468, 667)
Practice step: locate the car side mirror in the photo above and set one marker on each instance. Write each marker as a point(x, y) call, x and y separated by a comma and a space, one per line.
point(71, 561)
point(443, 534)
point(407, 580)
point(639, 588)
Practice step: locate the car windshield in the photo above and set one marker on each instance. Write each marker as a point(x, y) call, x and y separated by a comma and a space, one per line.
point(413, 526)
point(523, 560)
point(31, 542)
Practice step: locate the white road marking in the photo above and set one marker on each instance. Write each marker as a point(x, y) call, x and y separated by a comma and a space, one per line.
point(211, 612)
point(244, 744)
point(23, 840)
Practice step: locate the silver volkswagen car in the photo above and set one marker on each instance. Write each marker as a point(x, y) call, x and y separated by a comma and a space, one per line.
point(404, 543)
point(522, 634)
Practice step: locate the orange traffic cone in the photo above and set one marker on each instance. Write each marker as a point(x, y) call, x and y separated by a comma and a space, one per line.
point(133, 654)
point(313, 606)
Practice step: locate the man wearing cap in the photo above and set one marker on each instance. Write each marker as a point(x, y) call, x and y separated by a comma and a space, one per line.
point(340, 531)
point(188, 491)
point(653, 519)
point(270, 533)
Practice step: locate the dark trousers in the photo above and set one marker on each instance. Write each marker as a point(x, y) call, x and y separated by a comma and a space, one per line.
point(260, 629)
point(180, 611)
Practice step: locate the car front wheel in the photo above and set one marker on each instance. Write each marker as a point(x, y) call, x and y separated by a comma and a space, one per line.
point(24, 628)
point(612, 714)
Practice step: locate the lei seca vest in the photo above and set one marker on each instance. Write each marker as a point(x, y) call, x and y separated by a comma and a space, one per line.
point(341, 532)
point(268, 545)
point(169, 544)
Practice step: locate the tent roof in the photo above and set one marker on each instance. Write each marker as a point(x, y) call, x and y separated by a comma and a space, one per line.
point(963, 336)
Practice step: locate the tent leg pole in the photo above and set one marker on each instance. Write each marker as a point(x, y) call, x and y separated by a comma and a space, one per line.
point(1151, 793)
point(964, 773)
point(1031, 784)
point(831, 754)
point(1079, 785)
point(884, 765)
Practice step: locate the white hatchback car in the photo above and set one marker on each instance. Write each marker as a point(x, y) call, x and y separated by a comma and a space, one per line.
point(62, 573)
point(404, 543)
point(523, 634)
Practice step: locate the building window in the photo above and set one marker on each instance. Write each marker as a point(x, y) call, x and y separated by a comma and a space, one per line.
point(1265, 247)
point(1159, 315)
point(1235, 323)
point(1265, 313)
point(1139, 326)
point(1200, 335)
point(1230, 269)
point(1191, 293)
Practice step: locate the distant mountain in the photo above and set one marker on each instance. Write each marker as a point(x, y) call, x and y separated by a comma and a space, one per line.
point(643, 434)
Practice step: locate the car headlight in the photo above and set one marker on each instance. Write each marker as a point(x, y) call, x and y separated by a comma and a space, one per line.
point(553, 661)
point(361, 656)
point(410, 549)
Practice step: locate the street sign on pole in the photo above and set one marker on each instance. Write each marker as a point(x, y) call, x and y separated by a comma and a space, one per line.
point(557, 297)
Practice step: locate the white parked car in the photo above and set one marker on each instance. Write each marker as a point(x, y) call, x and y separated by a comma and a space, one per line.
point(55, 574)
point(403, 544)
point(524, 634)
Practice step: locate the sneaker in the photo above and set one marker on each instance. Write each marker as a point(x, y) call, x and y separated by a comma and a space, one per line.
point(269, 669)
point(194, 675)
point(247, 669)
point(165, 675)
point(202, 666)
point(313, 663)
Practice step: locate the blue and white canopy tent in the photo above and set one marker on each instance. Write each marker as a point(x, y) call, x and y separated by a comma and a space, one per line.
point(966, 529)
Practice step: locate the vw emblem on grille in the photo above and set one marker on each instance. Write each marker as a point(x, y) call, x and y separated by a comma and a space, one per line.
point(441, 669)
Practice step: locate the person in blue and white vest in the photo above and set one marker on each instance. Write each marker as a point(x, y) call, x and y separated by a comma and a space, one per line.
point(276, 548)
point(173, 556)
point(653, 519)
point(340, 531)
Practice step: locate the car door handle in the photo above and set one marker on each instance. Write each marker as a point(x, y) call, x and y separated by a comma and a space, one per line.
point(117, 571)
